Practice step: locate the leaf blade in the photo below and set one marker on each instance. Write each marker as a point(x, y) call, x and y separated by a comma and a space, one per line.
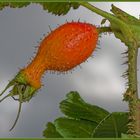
point(74, 106)
point(112, 126)
point(51, 132)
point(13, 4)
point(59, 8)
point(56, 8)
point(72, 128)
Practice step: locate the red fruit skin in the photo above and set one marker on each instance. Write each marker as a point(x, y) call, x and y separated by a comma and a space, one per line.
point(64, 48)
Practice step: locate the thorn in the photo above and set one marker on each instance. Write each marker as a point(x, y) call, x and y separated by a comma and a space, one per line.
point(79, 20)
point(125, 56)
point(128, 84)
point(125, 73)
point(126, 62)
point(50, 28)
point(36, 47)
point(126, 52)
point(98, 48)
point(125, 76)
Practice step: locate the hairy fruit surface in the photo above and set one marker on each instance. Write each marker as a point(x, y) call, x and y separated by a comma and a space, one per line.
point(63, 49)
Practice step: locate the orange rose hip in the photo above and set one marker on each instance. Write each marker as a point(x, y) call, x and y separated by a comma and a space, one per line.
point(63, 49)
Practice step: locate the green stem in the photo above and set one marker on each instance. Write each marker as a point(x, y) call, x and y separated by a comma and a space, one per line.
point(127, 36)
point(104, 30)
point(132, 69)
point(131, 96)
point(100, 12)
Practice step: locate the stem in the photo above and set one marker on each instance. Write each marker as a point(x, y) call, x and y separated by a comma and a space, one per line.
point(123, 31)
point(131, 95)
point(104, 30)
point(105, 14)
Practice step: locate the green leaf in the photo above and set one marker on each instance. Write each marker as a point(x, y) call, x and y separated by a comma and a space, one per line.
point(18, 4)
point(59, 8)
point(74, 106)
point(13, 4)
point(70, 128)
point(87, 121)
point(112, 126)
point(51, 132)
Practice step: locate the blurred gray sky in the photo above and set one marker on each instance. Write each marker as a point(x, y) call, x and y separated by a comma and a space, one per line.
point(98, 82)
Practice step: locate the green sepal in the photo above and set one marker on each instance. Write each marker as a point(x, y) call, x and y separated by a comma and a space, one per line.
point(20, 87)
